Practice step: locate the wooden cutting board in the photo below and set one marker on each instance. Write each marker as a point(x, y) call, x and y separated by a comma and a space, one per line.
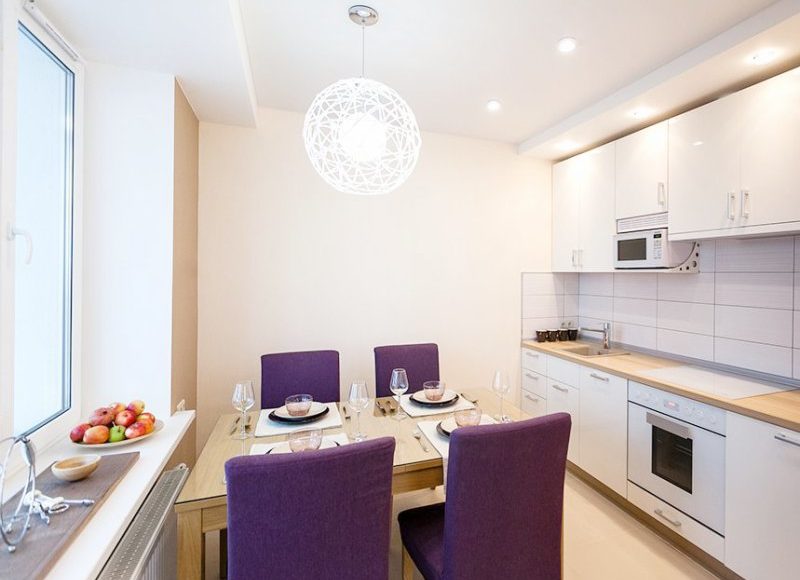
point(44, 544)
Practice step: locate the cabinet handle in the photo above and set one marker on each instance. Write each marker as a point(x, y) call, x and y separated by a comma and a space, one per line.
point(530, 376)
point(731, 205)
point(745, 210)
point(662, 194)
point(787, 439)
point(665, 517)
point(530, 354)
point(580, 258)
point(599, 377)
point(562, 389)
point(530, 398)
point(574, 261)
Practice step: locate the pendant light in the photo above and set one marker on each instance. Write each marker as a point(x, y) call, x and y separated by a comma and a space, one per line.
point(360, 135)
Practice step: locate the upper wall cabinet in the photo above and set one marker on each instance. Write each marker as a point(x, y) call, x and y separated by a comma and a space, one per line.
point(733, 164)
point(583, 212)
point(641, 172)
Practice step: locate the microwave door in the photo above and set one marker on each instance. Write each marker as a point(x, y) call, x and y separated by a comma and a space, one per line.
point(632, 252)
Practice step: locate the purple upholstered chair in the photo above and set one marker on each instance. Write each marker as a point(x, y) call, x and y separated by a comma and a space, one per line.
point(421, 362)
point(503, 513)
point(288, 373)
point(318, 514)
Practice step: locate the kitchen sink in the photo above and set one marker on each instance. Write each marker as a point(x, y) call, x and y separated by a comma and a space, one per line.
point(591, 351)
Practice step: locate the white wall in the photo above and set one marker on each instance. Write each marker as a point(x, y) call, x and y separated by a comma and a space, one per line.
point(287, 263)
point(127, 237)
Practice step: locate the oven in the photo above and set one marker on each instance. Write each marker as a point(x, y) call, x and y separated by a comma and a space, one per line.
point(676, 452)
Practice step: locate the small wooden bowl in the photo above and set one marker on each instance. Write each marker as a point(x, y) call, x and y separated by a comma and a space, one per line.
point(75, 468)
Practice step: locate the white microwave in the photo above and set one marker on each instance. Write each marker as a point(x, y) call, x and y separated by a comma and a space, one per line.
point(649, 249)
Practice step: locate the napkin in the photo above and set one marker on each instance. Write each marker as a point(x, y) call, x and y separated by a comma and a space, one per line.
point(267, 428)
point(441, 443)
point(415, 410)
point(262, 448)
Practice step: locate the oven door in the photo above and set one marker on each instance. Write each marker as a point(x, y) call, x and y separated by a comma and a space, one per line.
point(682, 464)
point(634, 250)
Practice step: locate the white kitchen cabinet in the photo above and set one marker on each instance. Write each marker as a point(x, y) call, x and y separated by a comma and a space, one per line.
point(770, 150)
point(562, 398)
point(704, 147)
point(583, 212)
point(642, 172)
point(604, 428)
point(534, 383)
point(533, 405)
point(535, 361)
point(762, 501)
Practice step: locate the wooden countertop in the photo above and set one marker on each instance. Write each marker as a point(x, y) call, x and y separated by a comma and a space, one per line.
point(782, 409)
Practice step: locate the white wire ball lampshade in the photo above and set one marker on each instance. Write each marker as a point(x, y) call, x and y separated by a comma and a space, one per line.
point(361, 137)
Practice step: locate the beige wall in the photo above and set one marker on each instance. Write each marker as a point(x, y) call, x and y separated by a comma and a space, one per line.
point(184, 267)
point(287, 263)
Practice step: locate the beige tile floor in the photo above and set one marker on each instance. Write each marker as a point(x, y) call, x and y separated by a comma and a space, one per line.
point(601, 541)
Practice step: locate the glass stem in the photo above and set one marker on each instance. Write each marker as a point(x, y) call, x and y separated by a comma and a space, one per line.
point(358, 423)
point(501, 406)
point(244, 423)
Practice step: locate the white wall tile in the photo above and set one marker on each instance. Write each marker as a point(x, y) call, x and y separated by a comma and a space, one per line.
point(571, 305)
point(539, 283)
point(686, 344)
point(772, 290)
point(797, 254)
point(635, 311)
point(572, 283)
point(598, 307)
point(796, 359)
point(708, 256)
point(797, 291)
point(531, 325)
point(755, 255)
point(686, 317)
point(763, 325)
point(765, 358)
point(796, 341)
point(597, 284)
point(686, 287)
point(635, 285)
point(547, 306)
point(634, 335)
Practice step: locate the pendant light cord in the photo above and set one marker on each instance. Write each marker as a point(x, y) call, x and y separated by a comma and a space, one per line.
point(363, 50)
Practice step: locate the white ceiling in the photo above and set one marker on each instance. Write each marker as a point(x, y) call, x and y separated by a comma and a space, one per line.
point(446, 57)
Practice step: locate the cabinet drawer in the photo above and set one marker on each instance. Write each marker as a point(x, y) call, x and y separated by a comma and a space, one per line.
point(533, 405)
point(565, 399)
point(563, 371)
point(534, 383)
point(533, 360)
point(593, 378)
point(677, 521)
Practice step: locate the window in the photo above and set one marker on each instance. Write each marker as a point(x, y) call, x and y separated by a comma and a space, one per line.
point(39, 395)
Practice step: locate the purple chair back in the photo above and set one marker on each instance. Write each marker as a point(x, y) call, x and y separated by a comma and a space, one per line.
point(318, 514)
point(421, 362)
point(505, 500)
point(289, 373)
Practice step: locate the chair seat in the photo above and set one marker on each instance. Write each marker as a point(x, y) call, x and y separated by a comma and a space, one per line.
point(422, 531)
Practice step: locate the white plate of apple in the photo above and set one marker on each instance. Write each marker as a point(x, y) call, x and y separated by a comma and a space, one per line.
point(116, 425)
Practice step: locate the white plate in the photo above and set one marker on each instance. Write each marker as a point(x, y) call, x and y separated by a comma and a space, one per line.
point(448, 398)
point(448, 425)
point(158, 426)
point(316, 409)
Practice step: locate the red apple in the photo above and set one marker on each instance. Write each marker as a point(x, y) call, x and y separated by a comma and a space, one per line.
point(97, 434)
point(136, 430)
point(117, 408)
point(102, 416)
point(136, 406)
point(77, 432)
point(147, 417)
point(125, 418)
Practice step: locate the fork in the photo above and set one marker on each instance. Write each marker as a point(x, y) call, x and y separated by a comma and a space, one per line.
point(418, 436)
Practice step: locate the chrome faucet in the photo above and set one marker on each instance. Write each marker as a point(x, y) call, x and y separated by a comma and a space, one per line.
point(605, 331)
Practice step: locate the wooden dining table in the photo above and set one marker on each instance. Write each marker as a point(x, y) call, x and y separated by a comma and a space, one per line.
point(202, 504)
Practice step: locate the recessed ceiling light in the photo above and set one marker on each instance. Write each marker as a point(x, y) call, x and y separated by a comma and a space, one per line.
point(566, 145)
point(493, 106)
point(764, 56)
point(567, 44)
point(641, 113)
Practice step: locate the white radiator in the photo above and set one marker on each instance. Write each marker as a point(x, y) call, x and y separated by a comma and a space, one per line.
point(148, 549)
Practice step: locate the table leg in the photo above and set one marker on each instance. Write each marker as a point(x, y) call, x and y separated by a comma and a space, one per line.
point(191, 545)
point(223, 553)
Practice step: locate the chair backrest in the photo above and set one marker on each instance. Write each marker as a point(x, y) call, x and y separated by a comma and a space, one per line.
point(318, 514)
point(421, 362)
point(505, 500)
point(290, 373)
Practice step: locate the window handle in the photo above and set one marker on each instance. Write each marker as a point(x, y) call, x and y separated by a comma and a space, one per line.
point(14, 233)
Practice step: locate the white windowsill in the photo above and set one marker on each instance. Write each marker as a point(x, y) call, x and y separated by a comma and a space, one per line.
point(88, 552)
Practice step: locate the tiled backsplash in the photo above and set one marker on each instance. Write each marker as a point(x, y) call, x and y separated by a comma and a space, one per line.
point(742, 309)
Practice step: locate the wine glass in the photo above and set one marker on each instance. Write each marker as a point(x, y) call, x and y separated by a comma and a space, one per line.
point(359, 400)
point(399, 385)
point(243, 400)
point(500, 385)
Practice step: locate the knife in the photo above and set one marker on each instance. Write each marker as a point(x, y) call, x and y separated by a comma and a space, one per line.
point(235, 425)
point(346, 412)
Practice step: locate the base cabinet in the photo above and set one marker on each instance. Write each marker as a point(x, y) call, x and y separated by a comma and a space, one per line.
point(762, 502)
point(562, 398)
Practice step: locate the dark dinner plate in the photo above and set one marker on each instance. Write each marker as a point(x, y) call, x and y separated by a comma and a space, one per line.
point(422, 401)
point(299, 420)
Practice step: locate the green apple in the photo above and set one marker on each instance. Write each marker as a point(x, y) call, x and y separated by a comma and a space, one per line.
point(117, 434)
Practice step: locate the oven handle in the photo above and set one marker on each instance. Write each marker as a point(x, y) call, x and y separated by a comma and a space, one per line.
point(669, 426)
point(664, 516)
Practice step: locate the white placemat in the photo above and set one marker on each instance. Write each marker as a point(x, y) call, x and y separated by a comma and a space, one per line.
point(415, 410)
point(441, 443)
point(267, 428)
point(262, 448)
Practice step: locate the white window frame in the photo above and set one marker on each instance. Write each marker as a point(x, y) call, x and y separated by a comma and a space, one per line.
point(58, 428)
